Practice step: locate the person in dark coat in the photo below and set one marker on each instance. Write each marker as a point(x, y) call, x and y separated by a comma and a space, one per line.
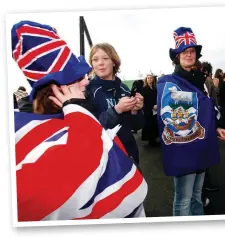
point(112, 98)
point(138, 87)
point(149, 92)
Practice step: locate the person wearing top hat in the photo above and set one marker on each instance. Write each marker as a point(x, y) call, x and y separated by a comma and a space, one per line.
point(68, 166)
point(187, 124)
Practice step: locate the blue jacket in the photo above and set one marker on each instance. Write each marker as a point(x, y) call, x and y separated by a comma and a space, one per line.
point(105, 94)
point(187, 124)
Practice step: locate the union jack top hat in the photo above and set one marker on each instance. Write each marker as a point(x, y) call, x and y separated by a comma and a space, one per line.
point(184, 38)
point(44, 57)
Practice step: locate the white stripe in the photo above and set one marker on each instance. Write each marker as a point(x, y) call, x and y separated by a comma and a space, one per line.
point(40, 149)
point(38, 35)
point(27, 128)
point(206, 89)
point(31, 71)
point(140, 212)
point(17, 45)
point(130, 202)
point(97, 90)
point(124, 89)
point(69, 55)
point(36, 27)
point(71, 108)
point(112, 132)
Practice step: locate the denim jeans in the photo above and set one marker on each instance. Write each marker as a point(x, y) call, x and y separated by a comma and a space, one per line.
point(187, 197)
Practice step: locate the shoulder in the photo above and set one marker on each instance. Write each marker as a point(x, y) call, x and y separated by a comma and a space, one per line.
point(165, 78)
point(92, 88)
point(125, 88)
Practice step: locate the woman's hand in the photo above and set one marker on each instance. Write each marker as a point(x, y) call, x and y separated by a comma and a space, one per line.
point(125, 104)
point(64, 93)
point(221, 133)
point(140, 103)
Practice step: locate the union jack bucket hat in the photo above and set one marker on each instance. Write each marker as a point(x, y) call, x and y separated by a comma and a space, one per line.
point(184, 38)
point(44, 57)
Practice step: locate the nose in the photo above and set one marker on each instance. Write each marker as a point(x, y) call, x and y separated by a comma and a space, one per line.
point(100, 62)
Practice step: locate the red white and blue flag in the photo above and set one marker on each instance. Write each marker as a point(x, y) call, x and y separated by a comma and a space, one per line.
point(186, 39)
point(39, 51)
point(67, 170)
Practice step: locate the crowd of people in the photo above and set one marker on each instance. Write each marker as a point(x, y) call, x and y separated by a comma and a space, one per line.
point(76, 154)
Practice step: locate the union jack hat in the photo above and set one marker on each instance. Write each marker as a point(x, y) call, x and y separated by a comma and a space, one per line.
point(44, 57)
point(184, 38)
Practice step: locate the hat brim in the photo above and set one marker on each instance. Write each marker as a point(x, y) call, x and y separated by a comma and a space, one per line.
point(60, 78)
point(174, 52)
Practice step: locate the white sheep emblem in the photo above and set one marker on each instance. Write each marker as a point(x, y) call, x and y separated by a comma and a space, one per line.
point(180, 95)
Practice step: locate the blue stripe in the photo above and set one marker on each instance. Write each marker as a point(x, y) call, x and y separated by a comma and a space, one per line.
point(22, 118)
point(118, 166)
point(57, 136)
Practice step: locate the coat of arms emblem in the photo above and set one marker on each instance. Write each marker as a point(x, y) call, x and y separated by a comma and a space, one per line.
point(179, 112)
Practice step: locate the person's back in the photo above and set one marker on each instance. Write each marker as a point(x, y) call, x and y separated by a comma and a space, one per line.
point(54, 146)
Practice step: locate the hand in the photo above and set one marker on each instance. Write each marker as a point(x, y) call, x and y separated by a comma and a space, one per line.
point(221, 133)
point(64, 93)
point(125, 104)
point(155, 107)
point(140, 103)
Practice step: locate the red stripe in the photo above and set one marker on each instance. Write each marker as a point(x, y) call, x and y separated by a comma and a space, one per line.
point(34, 75)
point(112, 201)
point(35, 137)
point(45, 185)
point(120, 144)
point(61, 60)
point(42, 49)
point(36, 31)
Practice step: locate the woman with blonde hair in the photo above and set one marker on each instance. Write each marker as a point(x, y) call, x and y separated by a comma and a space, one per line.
point(68, 166)
point(112, 98)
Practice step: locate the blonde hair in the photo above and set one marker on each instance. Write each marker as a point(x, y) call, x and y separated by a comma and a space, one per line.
point(110, 51)
point(153, 82)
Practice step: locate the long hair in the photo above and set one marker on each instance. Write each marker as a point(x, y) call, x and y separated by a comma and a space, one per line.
point(42, 104)
point(153, 82)
point(110, 51)
point(219, 76)
point(218, 73)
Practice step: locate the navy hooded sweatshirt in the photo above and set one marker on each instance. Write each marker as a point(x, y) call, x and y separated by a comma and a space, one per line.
point(104, 95)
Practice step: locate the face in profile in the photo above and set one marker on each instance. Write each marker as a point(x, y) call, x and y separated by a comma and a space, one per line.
point(102, 64)
point(188, 57)
point(82, 83)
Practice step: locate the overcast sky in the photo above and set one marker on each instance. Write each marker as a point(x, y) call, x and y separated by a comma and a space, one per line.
point(142, 38)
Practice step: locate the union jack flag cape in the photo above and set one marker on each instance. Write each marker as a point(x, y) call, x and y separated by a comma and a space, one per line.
point(69, 167)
